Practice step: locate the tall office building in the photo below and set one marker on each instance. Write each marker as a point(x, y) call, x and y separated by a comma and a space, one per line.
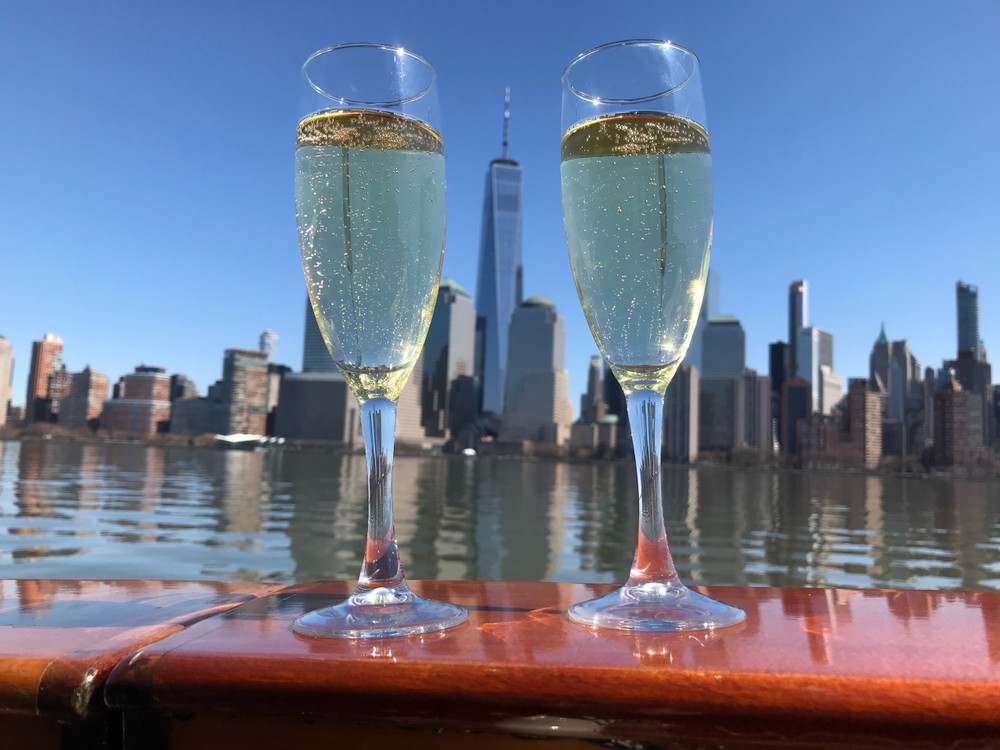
point(449, 354)
point(967, 299)
point(87, 394)
point(268, 343)
point(796, 407)
point(592, 406)
point(895, 373)
point(680, 416)
point(536, 405)
point(6, 374)
point(499, 284)
point(814, 364)
point(46, 356)
point(315, 356)
point(724, 353)
point(709, 310)
point(614, 396)
point(777, 372)
point(798, 318)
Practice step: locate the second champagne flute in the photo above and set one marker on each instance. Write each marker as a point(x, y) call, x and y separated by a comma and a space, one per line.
point(370, 208)
point(637, 208)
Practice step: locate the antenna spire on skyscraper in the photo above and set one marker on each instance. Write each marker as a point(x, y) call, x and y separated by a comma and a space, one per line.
point(506, 119)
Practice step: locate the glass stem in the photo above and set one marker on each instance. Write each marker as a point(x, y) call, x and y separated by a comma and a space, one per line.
point(378, 426)
point(652, 555)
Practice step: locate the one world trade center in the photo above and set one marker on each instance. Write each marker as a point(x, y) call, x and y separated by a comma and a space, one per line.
point(499, 283)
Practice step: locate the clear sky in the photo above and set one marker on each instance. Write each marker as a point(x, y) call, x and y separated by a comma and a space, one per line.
point(146, 210)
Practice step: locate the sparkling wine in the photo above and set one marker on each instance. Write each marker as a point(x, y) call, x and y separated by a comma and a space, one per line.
point(637, 209)
point(370, 207)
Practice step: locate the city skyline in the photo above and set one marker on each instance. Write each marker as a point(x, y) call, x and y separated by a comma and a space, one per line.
point(174, 241)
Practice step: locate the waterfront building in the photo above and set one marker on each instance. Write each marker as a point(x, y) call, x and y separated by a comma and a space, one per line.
point(975, 377)
point(592, 406)
point(268, 344)
point(196, 416)
point(449, 354)
point(317, 406)
point(709, 309)
point(85, 402)
point(145, 383)
point(409, 417)
point(756, 437)
point(967, 301)
point(274, 375)
point(60, 383)
point(849, 437)
point(499, 282)
point(536, 404)
point(6, 377)
point(958, 418)
point(681, 415)
point(724, 353)
point(46, 356)
point(243, 391)
point(315, 356)
point(734, 414)
point(720, 414)
point(141, 404)
point(798, 318)
point(796, 406)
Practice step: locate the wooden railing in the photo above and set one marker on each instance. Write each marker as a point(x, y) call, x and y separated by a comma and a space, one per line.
point(154, 664)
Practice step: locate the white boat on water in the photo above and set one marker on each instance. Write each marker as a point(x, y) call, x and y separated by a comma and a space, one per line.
point(245, 441)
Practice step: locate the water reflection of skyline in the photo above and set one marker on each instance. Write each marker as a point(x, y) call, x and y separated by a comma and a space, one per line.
point(103, 511)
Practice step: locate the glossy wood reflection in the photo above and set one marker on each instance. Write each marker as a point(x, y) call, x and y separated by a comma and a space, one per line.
point(893, 665)
point(59, 640)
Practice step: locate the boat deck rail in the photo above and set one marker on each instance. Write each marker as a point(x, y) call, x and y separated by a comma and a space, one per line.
point(163, 664)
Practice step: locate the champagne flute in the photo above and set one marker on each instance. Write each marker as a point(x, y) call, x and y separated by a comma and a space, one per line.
point(370, 209)
point(637, 210)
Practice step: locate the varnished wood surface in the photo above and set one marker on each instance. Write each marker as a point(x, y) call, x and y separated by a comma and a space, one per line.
point(809, 668)
point(59, 640)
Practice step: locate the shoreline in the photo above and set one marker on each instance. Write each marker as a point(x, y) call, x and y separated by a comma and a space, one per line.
point(409, 450)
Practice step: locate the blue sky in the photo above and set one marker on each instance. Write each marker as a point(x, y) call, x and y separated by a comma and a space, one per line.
point(146, 211)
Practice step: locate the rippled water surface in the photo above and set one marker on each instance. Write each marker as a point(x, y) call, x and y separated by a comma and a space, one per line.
point(70, 510)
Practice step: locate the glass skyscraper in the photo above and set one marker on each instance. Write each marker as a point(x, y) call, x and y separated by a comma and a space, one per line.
point(798, 318)
point(315, 356)
point(967, 297)
point(499, 284)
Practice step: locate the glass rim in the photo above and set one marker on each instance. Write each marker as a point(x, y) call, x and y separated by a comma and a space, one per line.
point(398, 49)
point(628, 43)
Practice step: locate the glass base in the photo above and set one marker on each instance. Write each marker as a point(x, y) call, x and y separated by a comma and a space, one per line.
point(655, 607)
point(383, 612)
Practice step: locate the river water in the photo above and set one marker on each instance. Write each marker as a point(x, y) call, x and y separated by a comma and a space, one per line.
point(71, 510)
